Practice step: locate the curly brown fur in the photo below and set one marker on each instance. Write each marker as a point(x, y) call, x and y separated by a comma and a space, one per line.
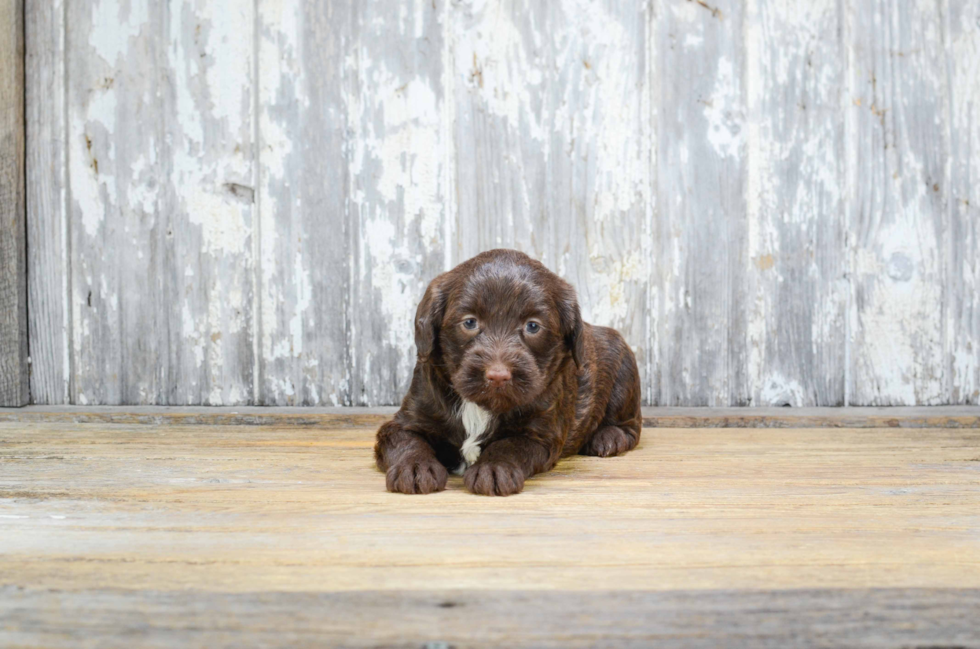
point(549, 390)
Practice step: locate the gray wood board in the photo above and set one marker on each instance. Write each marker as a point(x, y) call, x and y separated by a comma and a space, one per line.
point(796, 262)
point(303, 283)
point(963, 234)
point(885, 617)
point(701, 205)
point(160, 164)
point(14, 388)
point(898, 145)
point(47, 192)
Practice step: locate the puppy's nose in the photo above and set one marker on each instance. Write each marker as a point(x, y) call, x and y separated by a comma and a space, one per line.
point(498, 375)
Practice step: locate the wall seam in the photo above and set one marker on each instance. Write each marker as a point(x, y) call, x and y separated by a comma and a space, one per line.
point(946, 398)
point(68, 274)
point(256, 211)
point(449, 136)
point(849, 197)
point(349, 230)
point(653, 278)
point(25, 249)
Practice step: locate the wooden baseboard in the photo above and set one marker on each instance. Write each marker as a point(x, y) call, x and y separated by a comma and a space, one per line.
point(899, 417)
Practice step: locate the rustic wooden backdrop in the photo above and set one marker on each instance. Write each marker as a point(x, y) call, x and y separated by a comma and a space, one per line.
point(241, 201)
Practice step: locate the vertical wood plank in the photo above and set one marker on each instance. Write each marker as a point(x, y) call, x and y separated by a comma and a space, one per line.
point(796, 262)
point(963, 254)
point(14, 382)
point(554, 147)
point(118, 227)
point(302, 200)
point(208, 133)
point(47, 218)
point(161, 191)
point(398, 186)
point(701, 204)
point(897, 170)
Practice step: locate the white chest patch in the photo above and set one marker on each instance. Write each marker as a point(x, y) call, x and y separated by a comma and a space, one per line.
point(476, 421)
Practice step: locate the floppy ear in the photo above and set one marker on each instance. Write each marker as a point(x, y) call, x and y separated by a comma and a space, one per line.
point(428, 319)
point(570, 317)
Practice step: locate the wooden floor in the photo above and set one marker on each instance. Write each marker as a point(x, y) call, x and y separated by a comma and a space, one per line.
point(168, 535)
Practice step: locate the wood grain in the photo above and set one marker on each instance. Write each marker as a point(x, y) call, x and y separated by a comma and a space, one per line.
point(207, 135)
point(872, 618)
point(701, 205)
point(963, 235)
point(897, 169)
point(304, 283)
point(796, 263)
point(47, 202)
point(119, 225)
point(14, 381)
point(160, 151)
point(234, 509)
point(201, 535)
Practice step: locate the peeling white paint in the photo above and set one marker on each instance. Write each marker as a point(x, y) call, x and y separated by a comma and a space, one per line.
point(781, 391)
point(395, 283)
point(114, 23)
point(492, 56)
point(406, 150)
point(898, 83)
point(398, 195)
point(722, 113)
point(223, 225)
point(794, 202)
point(611, 290)
point(304, 295)
point(962, 307)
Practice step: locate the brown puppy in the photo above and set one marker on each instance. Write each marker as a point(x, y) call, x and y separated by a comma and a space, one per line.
point(508, 381)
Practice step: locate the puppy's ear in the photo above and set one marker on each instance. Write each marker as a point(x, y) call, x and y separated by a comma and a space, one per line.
point(571, 323)
point(428, 318)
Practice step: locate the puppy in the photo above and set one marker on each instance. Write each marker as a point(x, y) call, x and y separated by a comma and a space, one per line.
point(508, 381)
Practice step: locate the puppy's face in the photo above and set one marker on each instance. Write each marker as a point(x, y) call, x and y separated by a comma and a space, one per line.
point(506, 325)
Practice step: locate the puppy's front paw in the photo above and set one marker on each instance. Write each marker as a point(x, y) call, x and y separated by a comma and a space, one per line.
point(609, 441)
point(494, 479)
point(416, 477)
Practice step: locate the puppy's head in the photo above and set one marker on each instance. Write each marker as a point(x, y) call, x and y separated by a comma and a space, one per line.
point(500, 325)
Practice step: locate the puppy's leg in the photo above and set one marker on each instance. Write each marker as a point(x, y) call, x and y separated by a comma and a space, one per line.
point(504, 465)
point(619, 430)
point(409, 462)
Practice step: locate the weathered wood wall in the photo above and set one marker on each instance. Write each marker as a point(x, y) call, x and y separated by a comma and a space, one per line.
point(241, 202)
point(13, 250)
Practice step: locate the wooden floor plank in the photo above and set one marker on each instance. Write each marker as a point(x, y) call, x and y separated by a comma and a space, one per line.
point(243, 509)
point(115, 530)
point(886, 618)
point(357, 417)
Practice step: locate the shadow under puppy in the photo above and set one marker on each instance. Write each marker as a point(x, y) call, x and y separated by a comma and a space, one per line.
point(508, 381)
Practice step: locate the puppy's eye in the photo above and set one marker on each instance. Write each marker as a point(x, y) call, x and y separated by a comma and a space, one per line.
point(469, 323)
point(532, 327)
